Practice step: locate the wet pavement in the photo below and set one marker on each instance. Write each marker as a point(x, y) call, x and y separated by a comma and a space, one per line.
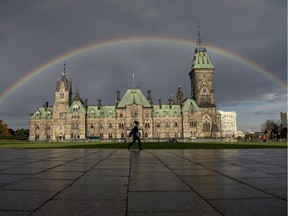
point(151, 182)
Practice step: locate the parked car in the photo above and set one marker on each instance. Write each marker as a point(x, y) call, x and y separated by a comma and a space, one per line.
point(120, 140)
point(171, 140)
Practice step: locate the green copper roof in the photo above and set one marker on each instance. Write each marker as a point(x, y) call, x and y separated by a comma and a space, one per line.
point(42, 113)
point(201, 60)
point(102, 111)
point(188, 104)
point(166, 110)
point(133, 96)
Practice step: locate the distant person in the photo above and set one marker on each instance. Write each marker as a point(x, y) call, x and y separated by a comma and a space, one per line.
point(134, 133)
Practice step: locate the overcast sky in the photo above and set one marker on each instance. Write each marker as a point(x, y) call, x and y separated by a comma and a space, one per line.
point(34, 32)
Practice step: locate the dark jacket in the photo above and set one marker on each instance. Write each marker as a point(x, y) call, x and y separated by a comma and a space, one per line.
point(134, 132)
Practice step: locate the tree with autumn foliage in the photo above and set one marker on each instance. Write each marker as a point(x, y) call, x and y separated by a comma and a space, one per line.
point(7, 133)
point(4, 130)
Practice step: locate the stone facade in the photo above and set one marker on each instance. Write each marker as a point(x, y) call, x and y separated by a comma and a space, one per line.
point(229, 124)
point(72, 119)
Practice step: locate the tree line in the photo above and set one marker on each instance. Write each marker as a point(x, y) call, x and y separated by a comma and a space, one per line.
point(271, 130)
point(7, 133)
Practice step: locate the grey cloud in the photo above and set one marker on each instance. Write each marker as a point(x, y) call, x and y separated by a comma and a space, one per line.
point(34, 32)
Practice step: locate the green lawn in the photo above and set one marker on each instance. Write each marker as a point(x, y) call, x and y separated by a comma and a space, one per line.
point(147, 145)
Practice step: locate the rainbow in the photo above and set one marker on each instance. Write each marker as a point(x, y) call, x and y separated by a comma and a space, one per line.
point(133, 41)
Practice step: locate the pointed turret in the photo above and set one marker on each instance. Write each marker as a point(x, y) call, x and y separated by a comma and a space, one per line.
point(179, 95)
point(63, 91)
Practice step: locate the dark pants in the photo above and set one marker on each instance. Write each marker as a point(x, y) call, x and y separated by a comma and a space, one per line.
point(134, 140)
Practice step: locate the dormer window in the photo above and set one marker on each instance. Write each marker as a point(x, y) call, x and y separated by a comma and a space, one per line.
point(175, 112)
point(110, 112)
point(49, 114)
point(166, 112)
point(38, 114)
point(75, 108)
point(92, 112)
point(101, 112)
point(157, 112)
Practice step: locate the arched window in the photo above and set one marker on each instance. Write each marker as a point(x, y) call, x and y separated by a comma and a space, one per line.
point(167, 124)
point(192, 123)
point(100, 124)
point(37, 126)
point(158, 124)
point(122, 135)
point(121, 124)
point(147, 124)
point(62, 94)
point(110, 135)
point(146, 134)
point(92, 125)
point(175, 124)
point(110, 125)
point(206, 126)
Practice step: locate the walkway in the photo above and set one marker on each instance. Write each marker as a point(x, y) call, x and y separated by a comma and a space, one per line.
point(151, 182)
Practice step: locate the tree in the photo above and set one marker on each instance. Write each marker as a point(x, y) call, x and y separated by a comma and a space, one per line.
point(271, 126)
point(1, 129)
point(5, 129)
point(271, 129)
point(21, 132)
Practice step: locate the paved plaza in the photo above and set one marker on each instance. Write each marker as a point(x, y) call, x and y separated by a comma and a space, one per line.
point(151, 182)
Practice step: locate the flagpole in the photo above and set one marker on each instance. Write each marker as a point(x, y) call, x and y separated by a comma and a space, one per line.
point(133, 79)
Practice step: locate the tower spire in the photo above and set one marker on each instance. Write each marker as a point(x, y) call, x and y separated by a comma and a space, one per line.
point(199, 40)
point(64, 70)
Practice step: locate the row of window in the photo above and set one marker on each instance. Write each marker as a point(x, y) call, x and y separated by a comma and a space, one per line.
point(121, 125)
point(110, 135)
point(101, 112)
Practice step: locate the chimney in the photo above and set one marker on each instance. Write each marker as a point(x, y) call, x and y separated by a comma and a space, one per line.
point(46, 104)
point(149, 97)
point(99, 103)
point(117, 98)
point(160, 103)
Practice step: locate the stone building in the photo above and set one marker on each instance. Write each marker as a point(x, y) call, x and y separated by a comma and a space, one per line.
point(71, 118)
point(283, 119)
point(228, 124)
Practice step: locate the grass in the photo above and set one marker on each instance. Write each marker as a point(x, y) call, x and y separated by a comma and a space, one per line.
point(147, 145)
